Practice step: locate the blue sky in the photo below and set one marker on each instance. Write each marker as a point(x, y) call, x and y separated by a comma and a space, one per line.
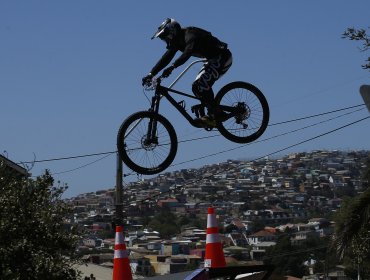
point(70, 73)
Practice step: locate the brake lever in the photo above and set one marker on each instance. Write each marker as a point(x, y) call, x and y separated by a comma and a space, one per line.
point(151, 85)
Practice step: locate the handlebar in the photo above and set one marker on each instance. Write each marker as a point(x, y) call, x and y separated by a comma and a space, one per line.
point(151, 85)
point(159, 79)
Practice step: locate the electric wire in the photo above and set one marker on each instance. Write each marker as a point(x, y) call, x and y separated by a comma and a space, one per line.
point(77, 168)
point(257, 141)
point(284, 122)
point(82, 166)
point(182, 141)
point(316, 115)
point(302, 118)
point(266, 139)
point(67, 158)
point(261, 157)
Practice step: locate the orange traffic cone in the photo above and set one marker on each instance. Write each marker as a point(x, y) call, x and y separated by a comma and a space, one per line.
point(214, 253)
point(121, 265)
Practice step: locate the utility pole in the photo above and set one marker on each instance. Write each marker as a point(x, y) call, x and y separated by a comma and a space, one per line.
point(119, 192)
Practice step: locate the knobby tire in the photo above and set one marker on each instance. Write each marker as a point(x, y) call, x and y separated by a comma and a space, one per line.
point(141, 159)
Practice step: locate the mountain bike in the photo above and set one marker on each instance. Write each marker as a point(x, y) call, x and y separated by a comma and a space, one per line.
point(147, 141)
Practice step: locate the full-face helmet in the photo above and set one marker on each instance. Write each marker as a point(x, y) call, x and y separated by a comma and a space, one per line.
point(168, 30)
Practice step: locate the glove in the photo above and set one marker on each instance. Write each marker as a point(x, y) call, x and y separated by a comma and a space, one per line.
point(167, 71)
point(147, 80)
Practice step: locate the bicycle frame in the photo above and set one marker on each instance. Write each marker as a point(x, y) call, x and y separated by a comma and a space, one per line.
point(162, 91)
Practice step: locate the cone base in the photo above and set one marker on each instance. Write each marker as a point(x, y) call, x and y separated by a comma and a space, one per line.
point(214, 256)
point(121, 269)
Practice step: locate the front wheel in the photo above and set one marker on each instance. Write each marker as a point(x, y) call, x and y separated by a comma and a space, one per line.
point(147, 142)
point(246, 110)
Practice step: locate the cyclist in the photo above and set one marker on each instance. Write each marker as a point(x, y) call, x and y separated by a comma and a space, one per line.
point(197, 42)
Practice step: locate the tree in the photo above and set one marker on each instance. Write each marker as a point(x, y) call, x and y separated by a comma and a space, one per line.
point(359, 35)
point(352, 233)
point(166, 223)
point(289, 259)
point(34, 241)
point(285, 264)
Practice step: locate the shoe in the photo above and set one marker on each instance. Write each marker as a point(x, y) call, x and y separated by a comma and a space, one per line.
point(206, 122)
point(198, 110)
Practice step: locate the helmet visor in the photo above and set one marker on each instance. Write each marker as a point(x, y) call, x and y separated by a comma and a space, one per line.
point(162, 31)
point(161, 34)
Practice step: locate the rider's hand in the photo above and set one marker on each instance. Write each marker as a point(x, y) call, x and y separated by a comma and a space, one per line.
point(167, 71)
point(147, 80)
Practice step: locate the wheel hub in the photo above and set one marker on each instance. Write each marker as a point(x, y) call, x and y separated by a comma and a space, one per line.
point(243, 112)
point(149, 144)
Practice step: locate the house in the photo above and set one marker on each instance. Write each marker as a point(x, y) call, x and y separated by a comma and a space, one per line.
point(302, 236)
point(238, 239)
point(175, 247)
point(13, 167)
point(144, 267)
point(199, 252)
point(259, 250)
point(261, 236)
point(170, 202)
point(154, 246)
point(93, 242)
point(163, 265)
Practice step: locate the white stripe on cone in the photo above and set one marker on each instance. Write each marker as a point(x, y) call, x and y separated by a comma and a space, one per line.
point(119, 238)
point(120, 254)
point(213, 238)
point(211, 221)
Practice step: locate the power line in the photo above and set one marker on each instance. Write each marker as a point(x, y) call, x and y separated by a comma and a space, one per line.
point(183, 141)
point(77, 168)
point(66, 158)
point(264, 156)
point(258, 141)
point(267, 139)
point(263, 140)
point(316, 137)
point(317, 115)
point(82, 166)
point(283, 122)
point(198, 138)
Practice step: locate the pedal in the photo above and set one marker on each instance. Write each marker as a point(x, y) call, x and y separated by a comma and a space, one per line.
point(198, 110)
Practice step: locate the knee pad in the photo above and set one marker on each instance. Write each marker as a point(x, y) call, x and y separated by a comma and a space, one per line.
point(204, 95)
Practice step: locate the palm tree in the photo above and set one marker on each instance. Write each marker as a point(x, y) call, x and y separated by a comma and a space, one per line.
point(352, 234)
point(354, 231)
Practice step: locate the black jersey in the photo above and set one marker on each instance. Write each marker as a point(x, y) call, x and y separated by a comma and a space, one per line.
point(191, 41)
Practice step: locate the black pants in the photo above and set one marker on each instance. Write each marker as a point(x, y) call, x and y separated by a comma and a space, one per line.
point(211, 71)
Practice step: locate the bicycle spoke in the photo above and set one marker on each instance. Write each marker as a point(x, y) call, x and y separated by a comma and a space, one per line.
point(147, 153)
point(248, 111)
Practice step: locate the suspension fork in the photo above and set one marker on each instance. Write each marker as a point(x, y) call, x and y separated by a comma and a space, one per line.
point(151, 136)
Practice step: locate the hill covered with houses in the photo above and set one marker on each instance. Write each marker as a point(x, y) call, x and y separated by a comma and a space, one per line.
point(258, 204)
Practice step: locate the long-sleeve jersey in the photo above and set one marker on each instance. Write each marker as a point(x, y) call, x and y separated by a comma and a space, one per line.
point(191, 41)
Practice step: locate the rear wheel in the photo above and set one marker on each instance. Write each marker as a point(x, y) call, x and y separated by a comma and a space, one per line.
point(143, 154)
point(250, 115)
